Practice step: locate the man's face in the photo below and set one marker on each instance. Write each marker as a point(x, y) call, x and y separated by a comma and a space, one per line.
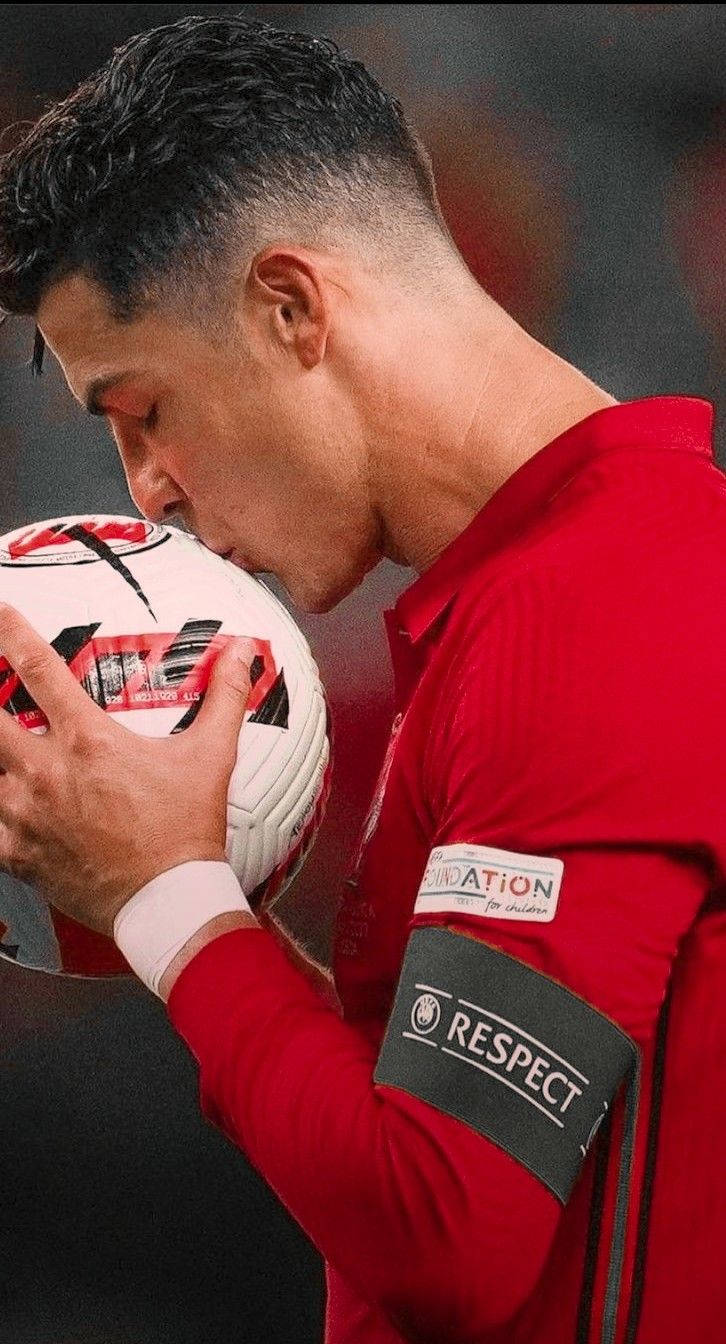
point(259, 454)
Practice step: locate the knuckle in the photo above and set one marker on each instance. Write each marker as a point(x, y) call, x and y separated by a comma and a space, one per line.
point(87, 740)
point(32, 772)
point(31, 665)
point(42, 777)
point(35, 766)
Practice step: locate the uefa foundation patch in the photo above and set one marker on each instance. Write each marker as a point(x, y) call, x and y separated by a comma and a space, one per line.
point(495, 883)
point(485, 1038)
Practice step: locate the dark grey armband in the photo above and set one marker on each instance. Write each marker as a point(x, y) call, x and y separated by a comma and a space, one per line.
point(516, 1056)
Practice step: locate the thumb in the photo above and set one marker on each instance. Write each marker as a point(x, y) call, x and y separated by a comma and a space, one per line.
point(225, 700)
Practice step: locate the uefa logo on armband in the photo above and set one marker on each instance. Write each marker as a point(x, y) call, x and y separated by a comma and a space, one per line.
point(425, 1014)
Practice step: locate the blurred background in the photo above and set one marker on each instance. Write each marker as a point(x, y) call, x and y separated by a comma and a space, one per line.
point(580, 152)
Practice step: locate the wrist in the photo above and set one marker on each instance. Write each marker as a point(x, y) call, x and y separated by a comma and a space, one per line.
point(225, 923)
point(155, 926)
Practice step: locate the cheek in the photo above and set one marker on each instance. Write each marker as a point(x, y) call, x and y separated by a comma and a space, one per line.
point(224, 486)
point(275, 468)
point(197, 461)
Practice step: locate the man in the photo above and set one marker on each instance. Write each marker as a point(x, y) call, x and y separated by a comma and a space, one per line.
point(230, 240)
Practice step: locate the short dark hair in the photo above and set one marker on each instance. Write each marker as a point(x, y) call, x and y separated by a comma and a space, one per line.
point(191, 133)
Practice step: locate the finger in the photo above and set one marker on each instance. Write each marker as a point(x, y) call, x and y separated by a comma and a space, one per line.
point(225, 701)
point(16, 745)
point(42, 671)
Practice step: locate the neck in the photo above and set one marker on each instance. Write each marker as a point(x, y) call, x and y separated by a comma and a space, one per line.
point(473, 399)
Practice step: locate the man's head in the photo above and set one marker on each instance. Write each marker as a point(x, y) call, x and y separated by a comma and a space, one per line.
point(233, 216)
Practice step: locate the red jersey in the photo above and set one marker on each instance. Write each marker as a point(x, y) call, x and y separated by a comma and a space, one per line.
point(550, 815)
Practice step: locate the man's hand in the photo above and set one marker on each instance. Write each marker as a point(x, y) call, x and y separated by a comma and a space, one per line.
point(90, 811)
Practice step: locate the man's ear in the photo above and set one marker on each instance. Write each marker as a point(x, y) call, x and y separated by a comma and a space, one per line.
point(291, 289)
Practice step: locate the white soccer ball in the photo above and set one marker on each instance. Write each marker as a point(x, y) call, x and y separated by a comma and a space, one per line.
point(140, 613)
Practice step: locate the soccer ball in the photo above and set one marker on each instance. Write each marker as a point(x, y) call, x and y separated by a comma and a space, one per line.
point(139, 613)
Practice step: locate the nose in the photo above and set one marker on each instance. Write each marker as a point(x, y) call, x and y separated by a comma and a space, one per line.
point(155, 494)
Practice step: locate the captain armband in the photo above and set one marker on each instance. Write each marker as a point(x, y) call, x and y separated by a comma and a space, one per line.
point(516, 1056)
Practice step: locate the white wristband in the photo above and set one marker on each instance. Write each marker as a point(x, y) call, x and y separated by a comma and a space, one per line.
point(156, 923)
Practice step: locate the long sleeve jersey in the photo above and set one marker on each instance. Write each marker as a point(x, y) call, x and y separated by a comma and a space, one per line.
point(537, 895)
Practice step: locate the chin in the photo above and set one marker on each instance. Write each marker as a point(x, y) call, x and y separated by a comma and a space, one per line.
point(314, 603)
point(318, 594)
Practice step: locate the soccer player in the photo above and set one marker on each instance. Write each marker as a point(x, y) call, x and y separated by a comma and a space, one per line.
point(230, 239)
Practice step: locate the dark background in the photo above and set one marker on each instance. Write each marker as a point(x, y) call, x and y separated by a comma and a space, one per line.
point(580, 152)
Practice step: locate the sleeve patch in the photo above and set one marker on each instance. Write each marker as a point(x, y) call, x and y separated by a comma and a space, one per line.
point(516, 1056)
point(496, 883)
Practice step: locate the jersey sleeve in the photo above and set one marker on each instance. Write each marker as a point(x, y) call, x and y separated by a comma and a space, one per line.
point(418, 1212)
point(416, 1197)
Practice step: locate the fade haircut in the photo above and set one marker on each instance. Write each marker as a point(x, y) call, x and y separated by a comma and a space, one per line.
point(197, 143)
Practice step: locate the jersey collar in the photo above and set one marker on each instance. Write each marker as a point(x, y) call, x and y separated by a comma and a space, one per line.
point(684, 423)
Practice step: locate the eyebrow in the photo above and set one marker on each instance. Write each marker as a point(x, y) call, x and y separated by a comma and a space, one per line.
point(97, 389)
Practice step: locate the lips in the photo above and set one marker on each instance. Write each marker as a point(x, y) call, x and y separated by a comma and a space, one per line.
point(215, 549)
point(231, 555)
point(241, 562)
